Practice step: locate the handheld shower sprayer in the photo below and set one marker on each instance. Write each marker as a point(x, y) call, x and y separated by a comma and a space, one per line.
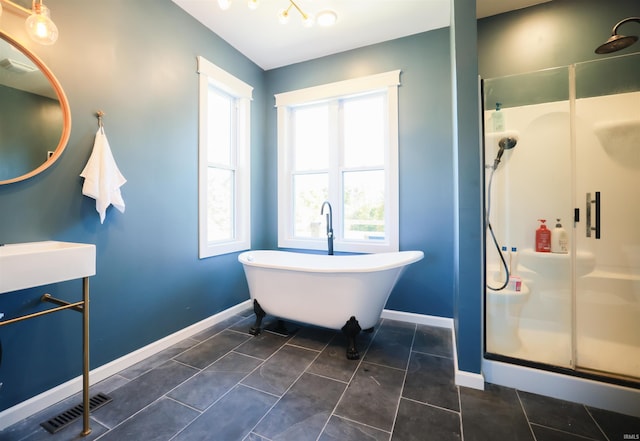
point(506, 143)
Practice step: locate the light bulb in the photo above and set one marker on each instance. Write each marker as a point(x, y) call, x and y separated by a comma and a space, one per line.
point(40, 27)
point(307, 20)
point(253, 4)
point(283, 16)
point(224, 4)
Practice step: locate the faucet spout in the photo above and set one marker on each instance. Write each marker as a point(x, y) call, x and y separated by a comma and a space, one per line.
point(329, 225)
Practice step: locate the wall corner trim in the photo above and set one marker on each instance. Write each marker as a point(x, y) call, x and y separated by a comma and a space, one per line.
point(462, 378)
point(469, 379)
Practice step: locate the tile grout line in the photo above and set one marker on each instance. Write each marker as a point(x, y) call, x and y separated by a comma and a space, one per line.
point(524, 412)
point(596, 423)
point(164, 395)
point(360, 361)
point(239, 383)
point(404, 379)
point(198, 343)
point(203, 369)
point(433, 355)
point(573, 435)
point(460, 413)
point(283, 393)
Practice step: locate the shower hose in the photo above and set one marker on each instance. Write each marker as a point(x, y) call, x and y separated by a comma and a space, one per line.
point(493, 236)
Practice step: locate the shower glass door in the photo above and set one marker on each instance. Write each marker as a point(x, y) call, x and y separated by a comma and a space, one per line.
point(531, 182)
point(607, 157)
point(577, 159)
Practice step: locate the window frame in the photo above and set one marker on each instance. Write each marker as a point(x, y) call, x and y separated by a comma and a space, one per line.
point(384, 82)
point(241, 92)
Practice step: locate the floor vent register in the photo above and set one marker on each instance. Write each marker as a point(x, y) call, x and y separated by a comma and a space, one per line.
point(67, 417)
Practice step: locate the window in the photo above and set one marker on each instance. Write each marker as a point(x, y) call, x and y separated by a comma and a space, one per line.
point(339, 142)
point(223, 162)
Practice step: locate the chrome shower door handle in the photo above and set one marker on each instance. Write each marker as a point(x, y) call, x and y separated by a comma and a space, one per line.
point(595, 228)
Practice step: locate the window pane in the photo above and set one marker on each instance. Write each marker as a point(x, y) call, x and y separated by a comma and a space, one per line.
point(309, 192)
point(364, 122)
point(220, 124)
point(220, 213)
point(311, 137)
point(364, 205)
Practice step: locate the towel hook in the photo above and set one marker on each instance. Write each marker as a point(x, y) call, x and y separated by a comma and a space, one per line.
point(100, 114)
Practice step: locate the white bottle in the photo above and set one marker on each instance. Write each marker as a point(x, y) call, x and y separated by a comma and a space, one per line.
point(498, 119)
point(559, 239)
point(513, 261)
point(505, 256)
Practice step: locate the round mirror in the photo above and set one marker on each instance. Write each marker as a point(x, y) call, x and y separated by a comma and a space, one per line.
point(35, 120)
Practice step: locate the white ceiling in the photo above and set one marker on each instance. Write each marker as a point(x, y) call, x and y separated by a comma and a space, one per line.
point(260, 37)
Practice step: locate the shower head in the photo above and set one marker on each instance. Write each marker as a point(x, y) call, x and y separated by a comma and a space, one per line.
point(506, 143)
point(618, 42)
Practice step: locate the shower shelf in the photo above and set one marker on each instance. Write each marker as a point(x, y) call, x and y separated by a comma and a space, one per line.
point(556, 263)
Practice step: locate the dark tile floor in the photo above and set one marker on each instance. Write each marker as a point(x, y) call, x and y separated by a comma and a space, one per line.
point(225, 384)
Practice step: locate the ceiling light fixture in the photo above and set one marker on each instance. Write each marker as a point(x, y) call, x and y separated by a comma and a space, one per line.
point(325, 18)
point(283, 16)
point(40, 27)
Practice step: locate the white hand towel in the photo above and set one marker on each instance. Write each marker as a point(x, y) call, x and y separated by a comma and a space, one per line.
point(102, 178)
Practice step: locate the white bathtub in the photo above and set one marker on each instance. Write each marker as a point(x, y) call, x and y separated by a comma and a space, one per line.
point(324, 290)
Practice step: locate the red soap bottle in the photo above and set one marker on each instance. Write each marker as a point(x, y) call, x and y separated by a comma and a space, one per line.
point(543, 238)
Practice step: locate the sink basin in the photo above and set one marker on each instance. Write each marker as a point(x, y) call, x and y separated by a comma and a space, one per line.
point(25, 265)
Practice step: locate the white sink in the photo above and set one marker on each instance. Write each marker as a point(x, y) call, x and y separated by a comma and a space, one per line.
point(25, 265)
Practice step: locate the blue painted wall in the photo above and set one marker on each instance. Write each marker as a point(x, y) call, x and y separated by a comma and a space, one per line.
point(136, 61)
point(467, 179)
point(425, 155)
point(150, 282)
point(557, 33)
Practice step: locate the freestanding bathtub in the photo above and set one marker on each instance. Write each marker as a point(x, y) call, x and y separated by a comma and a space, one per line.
point(345, 293)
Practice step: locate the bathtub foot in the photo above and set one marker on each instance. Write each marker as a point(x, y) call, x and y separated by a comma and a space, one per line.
point(259, 312)
point(279, 328)
point(351, 329)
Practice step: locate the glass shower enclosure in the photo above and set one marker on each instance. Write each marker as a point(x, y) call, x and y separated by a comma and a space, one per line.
point(567, 141)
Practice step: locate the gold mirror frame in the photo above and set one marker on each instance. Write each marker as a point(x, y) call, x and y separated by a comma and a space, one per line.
point(64, 105)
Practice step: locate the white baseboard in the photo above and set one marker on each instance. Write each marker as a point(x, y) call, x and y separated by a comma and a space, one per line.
point(606, 396)
point(468, 379)
point(462, 378)
point(420, 319)
point(52, 396)
point(597, 394)
point(601, 395)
